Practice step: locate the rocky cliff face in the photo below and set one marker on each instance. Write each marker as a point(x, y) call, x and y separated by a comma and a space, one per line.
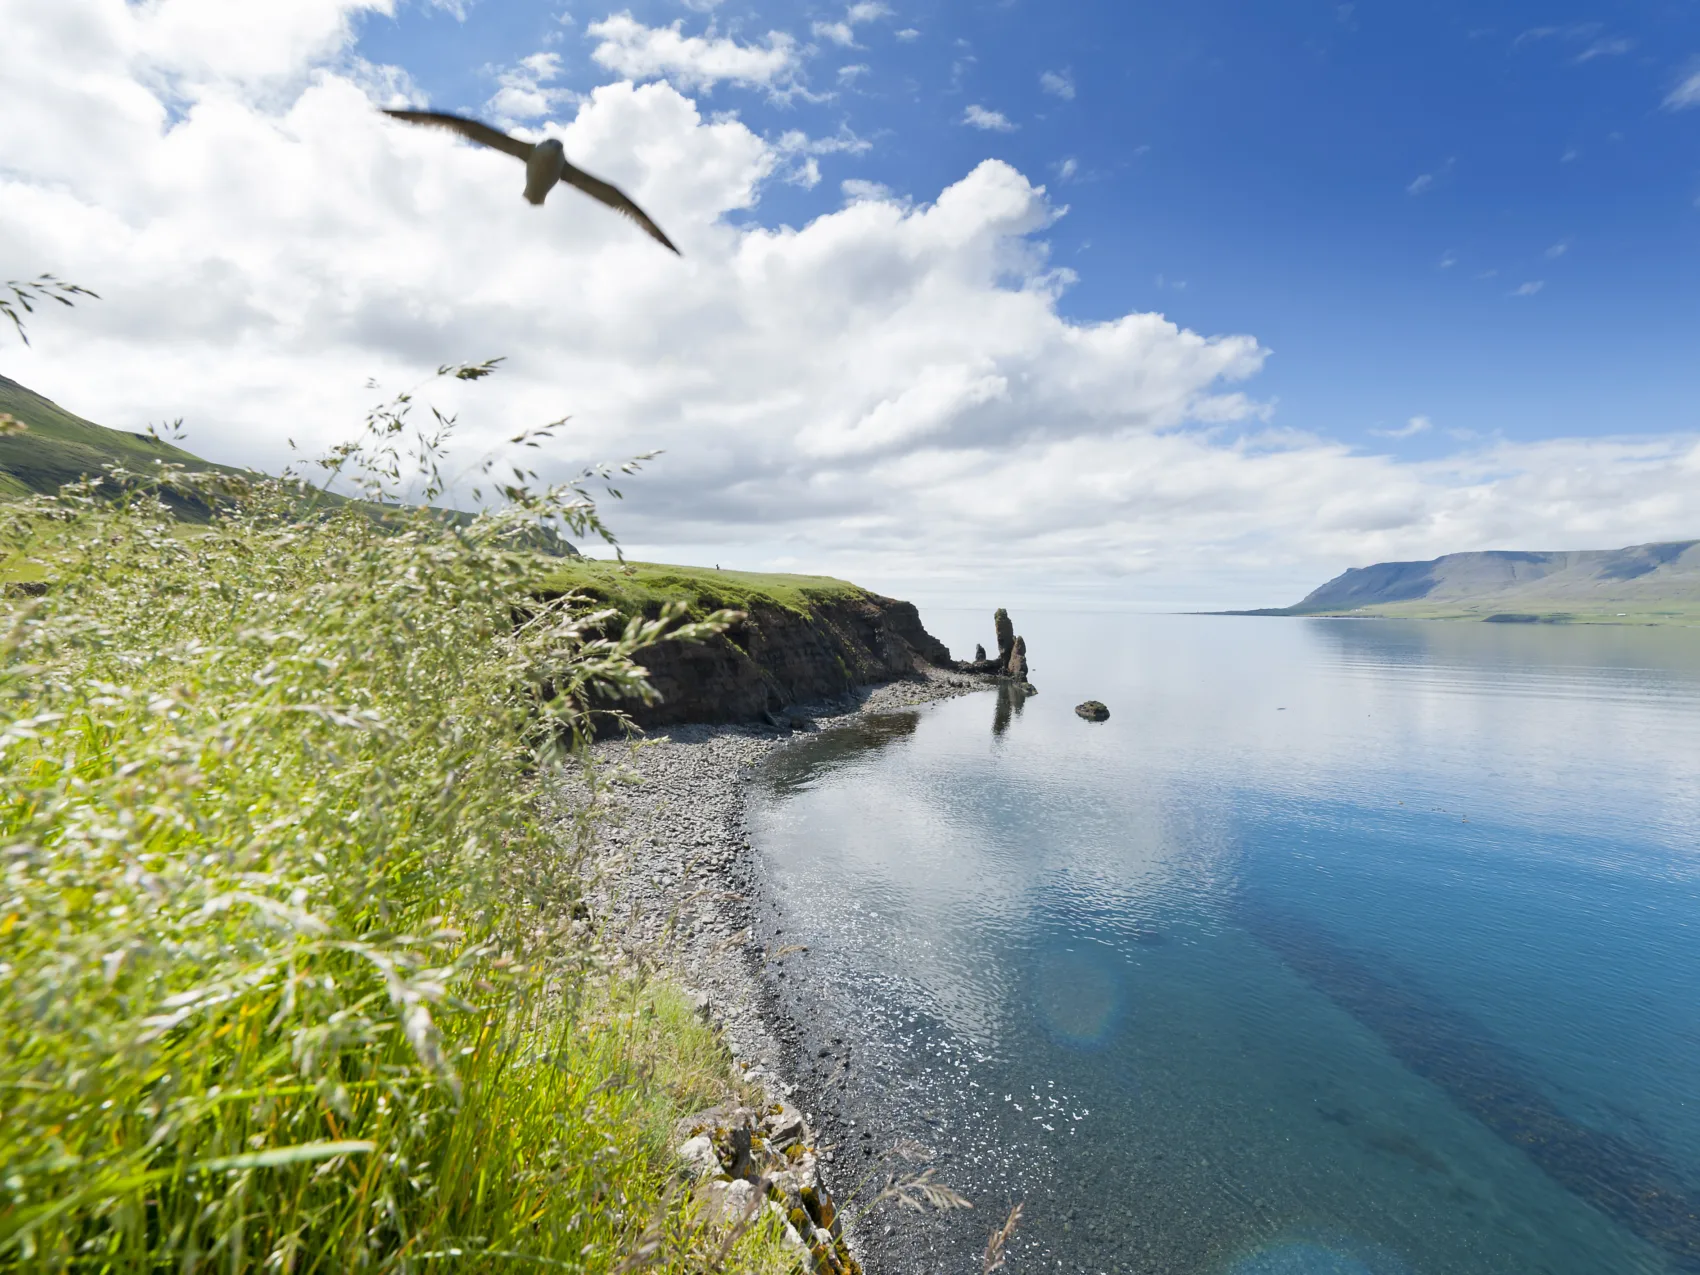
point(778, 657)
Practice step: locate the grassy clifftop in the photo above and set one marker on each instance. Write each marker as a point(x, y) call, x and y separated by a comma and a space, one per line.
point(641, 588)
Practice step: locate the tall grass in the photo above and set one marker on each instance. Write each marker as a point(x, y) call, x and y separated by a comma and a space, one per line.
point(291, 971)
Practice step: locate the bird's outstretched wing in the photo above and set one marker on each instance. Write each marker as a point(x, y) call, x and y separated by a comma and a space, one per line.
point(616, 199)
point(472, 130)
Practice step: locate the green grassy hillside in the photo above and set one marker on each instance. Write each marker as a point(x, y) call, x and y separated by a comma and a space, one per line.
point(1643, 584)
point(57, 447)
point(643, 587)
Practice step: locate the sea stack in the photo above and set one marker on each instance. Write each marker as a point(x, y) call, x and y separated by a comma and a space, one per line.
point(1006, 637)
point(1015, 667)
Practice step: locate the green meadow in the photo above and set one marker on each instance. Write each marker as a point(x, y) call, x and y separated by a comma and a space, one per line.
point(294, 969)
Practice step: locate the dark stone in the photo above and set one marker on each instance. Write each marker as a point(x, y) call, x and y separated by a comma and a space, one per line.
point(1015, 666)
point(979, 653)
point(1093, 711)
point(1006, 635)
point(775, 658)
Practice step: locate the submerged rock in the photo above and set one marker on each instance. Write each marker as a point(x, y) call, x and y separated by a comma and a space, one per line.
point(1093, 711)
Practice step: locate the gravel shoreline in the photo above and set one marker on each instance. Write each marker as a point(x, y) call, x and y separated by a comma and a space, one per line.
point(676, 883)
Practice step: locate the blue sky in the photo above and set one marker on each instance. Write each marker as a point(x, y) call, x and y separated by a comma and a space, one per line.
point(1375, 191)
point(1128, 305)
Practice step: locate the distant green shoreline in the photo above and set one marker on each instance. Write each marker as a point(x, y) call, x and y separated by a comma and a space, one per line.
point(1688, 617)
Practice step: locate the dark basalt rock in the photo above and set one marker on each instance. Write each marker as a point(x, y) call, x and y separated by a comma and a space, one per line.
point(775, 658)
point(1006, 635)
point(1093, 711)
point(1015, 667)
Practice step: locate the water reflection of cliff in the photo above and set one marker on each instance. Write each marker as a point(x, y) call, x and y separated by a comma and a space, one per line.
point(1634, 1185)
point(1011, 700)
point(794, 768)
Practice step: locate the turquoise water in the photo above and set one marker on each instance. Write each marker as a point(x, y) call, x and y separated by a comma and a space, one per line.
point(1343, 946)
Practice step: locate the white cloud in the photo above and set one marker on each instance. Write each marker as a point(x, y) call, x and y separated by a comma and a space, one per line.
point(907, 34)
point(1067, 169)
point(850, 74)
point(639, 52)
point(856, 190)
point(1528, 289)
point(840, 33)
point(796, 154)
point(843, 32)
point(1448, 259)
point(1557, 250)
point(1610, 48)
point(888, 391)
point(979, 117)
point(1416, 425)
point(1685, 94)
point(1571, 154)
point(1058, 83)
point(1425, 182)
point(524, 92)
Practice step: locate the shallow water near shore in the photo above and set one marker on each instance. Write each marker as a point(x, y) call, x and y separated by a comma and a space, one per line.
point(1342, 947)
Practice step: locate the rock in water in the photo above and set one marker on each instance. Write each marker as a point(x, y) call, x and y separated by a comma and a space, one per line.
point(1016, 665)
point(1006, 636)
point(979, 653)
point(1093, 711)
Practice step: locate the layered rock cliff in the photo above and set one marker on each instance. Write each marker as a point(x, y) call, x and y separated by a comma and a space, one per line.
point(777, 657)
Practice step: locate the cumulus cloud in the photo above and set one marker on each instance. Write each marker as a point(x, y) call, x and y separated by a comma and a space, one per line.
point(524, 92)
point(890, 390)
point(640, 52)
point(840, 33)
point(843, 32)
point(977, 116)
point(1058, 84)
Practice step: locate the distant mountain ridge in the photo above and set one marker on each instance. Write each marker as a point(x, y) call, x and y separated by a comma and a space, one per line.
point(1650, 583)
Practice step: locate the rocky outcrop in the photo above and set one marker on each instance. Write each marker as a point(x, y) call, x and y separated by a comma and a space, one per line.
point(745, 1161)
point(1006, 635)
point(1093, 711)
point(1016, 667)
point(776, 657)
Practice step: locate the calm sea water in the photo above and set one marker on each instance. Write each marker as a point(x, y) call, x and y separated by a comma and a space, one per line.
point(1342, 947)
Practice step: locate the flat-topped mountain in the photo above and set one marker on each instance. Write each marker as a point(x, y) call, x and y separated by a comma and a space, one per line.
point(1643, 584)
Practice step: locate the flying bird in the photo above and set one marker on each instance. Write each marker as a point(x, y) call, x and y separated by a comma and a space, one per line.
point(545, 164)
